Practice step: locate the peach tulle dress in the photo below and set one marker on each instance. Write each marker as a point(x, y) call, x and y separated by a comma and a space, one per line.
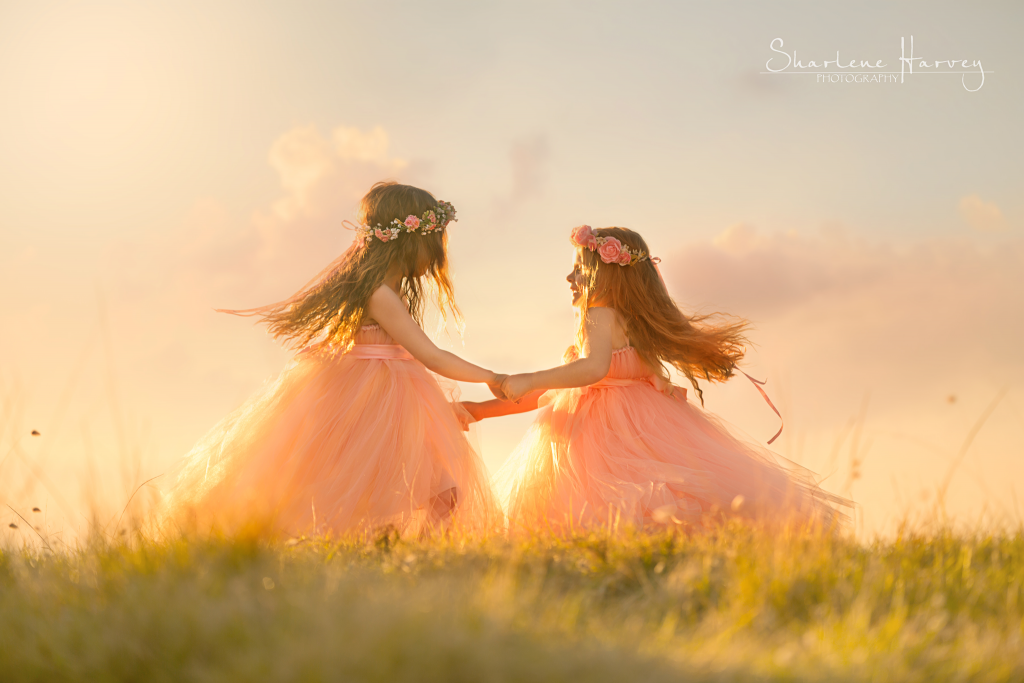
point(349, 442)
point(623, 452)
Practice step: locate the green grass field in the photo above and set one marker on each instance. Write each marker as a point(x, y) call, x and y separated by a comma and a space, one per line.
point(733, 605)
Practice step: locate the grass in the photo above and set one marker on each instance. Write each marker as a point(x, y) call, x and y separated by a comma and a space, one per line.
point(735, 604)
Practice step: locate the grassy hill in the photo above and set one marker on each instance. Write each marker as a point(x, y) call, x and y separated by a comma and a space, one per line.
point(735, 604)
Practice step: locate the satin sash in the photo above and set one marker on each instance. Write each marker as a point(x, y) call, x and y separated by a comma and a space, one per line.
point(379, 352)
point(655, 381)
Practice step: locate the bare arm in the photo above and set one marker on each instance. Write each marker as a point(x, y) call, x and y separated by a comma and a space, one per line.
point(498, 408)
point(591, 368)
point(390, 312)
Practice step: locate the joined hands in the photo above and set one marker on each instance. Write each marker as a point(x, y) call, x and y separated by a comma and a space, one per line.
point(510, 387)
point(515, 387)
point(464, 411)
point(507, 390)
point(496, 386)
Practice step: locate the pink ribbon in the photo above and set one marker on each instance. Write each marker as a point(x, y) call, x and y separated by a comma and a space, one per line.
point(757, 385)
point(379, 352)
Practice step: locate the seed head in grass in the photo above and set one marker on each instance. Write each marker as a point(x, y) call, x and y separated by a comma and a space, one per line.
point(36, 510)
point(35, 433)
point(13, 525)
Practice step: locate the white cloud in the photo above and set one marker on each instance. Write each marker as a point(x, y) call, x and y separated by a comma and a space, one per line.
point(981, 215)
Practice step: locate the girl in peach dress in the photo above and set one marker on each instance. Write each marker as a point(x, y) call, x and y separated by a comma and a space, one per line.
point(615, 442)
point(356, 433)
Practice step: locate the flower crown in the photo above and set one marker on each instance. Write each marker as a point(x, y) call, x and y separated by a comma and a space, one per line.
point(609, 249)
point(432, 220)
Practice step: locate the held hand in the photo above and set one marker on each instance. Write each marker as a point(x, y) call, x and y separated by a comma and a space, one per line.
point(495, 387)
point(464, 415)
point(516, 386)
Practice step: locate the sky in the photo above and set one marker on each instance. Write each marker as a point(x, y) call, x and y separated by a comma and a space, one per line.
point(158, 161)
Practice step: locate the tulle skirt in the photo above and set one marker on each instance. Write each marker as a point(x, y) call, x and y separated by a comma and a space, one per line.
point(339, 444)
point(623, 453)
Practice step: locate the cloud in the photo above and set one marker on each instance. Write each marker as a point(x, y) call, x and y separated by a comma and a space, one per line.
point(766, 275)
point(876, 310)
point(224, 260)
point(753, 82)
point(319, 173)
point(528, 157)
point(980, 215)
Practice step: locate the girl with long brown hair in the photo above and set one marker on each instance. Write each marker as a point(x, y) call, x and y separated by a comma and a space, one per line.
point(616, 442)
point(355, 434)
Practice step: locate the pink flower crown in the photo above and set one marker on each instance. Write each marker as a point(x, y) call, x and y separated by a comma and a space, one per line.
point(432, 220)
point(609, 249)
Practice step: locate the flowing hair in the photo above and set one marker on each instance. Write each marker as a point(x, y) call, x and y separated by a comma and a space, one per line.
point(700, 345)
point(332, 306)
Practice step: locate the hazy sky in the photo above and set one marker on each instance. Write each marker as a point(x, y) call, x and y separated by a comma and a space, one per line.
point(160, 160)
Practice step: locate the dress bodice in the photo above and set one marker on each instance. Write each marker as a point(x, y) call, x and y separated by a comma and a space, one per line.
point(373, 334)
point(371, 341)
point(626, 363)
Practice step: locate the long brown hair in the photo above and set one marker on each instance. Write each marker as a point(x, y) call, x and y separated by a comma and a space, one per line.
point(704, 345)
point(332, 306)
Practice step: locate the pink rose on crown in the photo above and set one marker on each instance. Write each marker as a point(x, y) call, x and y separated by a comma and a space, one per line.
point(381, 236)
point(610, 250)
point(625, 257)
point(584, 236)
point(412, 222)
